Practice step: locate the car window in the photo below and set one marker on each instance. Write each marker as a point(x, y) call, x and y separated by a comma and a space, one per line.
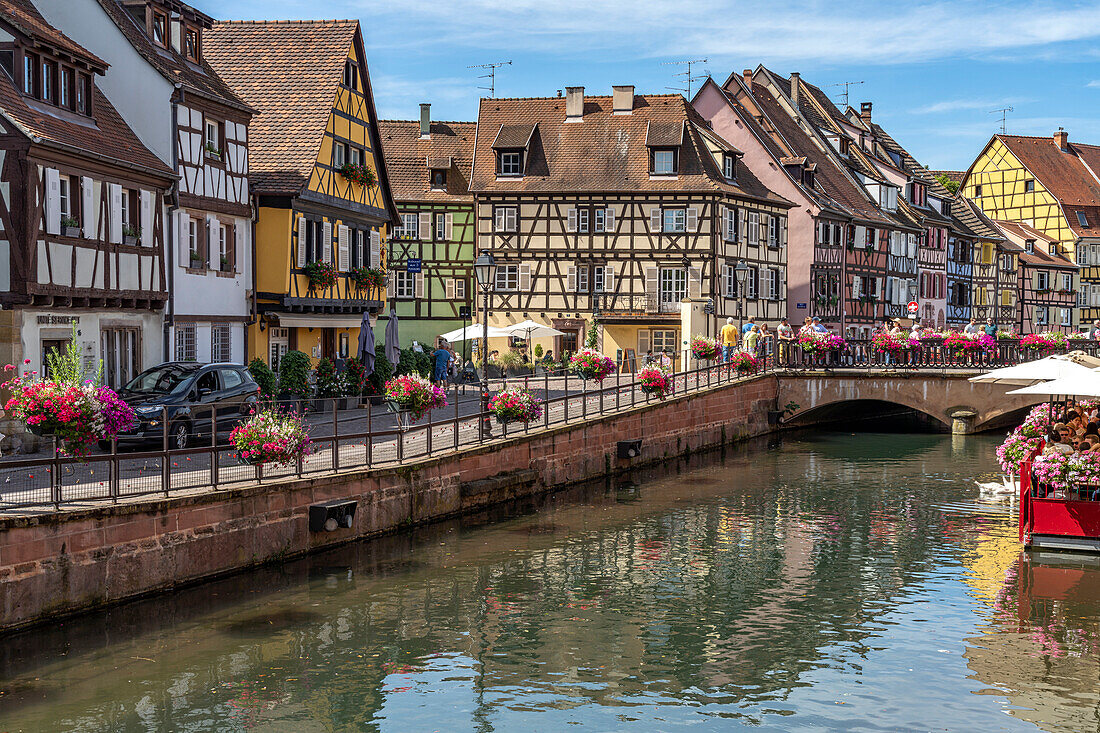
point(230, 378)
point(159, 380)
point(208, 381)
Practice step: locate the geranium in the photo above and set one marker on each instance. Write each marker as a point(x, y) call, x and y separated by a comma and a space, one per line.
point(591, 364)
point(416, 394)
point(929, 335)
point(963, 342)
point(1052, 470)
point(515, 405)
point(820, 343)
point(1078, 336)
point(888, 343)
point(1083, 469)
point(744, 363)
point(1008, 334)
point(366, 277)
point(705, 348)
point(1045, 341)
point(322, 275)
point(654, 380)
point(271, 436)
point(1015, 450)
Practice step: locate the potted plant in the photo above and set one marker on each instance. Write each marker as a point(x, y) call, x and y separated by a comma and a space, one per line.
point(512, 363)
point(327, 383)
point(354, 381)
point(271, 435)
point(195, 260)
point(515, 405)
point(744, 363)
point(293, 385)
point(411, 397)
point(322, 275)
point(588, 363)
point(705, 349)
point(224, 262)
point(130, 235)
point(70, 226)
point(265, 378)
point(376, 382)
point(655, 381)
point(213, 152)
point(367, 278)
point(360, 174)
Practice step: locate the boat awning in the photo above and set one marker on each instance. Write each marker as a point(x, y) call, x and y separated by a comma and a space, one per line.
point(317, 320)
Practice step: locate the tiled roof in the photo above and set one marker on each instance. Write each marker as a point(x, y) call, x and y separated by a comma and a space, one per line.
point(514, 136)
point(1065, 174)
point(195, 78)
point(288, 71)
point(408, 157)
point(956, 176)
point(25, 17)
point(1022, 230)
point(604, 152)
point(1042, 259)
point(966, 213)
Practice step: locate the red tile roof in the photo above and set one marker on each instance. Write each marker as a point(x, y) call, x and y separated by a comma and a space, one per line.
point(1066, 174)
point(408, 157)
point(26, 18)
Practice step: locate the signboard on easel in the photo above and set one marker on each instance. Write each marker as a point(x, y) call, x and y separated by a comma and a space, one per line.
point(630, 362)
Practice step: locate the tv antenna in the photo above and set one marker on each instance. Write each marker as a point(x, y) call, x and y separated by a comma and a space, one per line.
point(491, 76)
point(846, 85)
point(686, 74)
point(1003, 111)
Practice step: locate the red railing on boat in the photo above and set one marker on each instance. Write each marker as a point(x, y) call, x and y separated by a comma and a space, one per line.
point(1046, 514)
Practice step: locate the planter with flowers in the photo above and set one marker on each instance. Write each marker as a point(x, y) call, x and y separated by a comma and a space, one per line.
point(130, 235)
point(1044, 342)
point(655, 381)
point(70, 226)
point(744, 363)
point(821, 343)
point(888, 343)
point(705, 349)
point(411, 397)
point(967, 343)
point(515, 405)
point(271, 435)
point(366, 278)
point(322, 275)
point(360, 174)
point(591, 364)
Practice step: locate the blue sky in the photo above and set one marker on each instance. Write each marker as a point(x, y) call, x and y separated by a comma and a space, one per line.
point(933, 70)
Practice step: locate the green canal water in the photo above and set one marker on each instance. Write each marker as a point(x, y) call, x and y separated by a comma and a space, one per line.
point(831, 582)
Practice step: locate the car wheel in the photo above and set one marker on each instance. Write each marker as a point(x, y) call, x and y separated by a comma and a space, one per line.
point(181, 436)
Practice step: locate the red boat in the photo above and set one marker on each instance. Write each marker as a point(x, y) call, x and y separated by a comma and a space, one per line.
point(1067, 519)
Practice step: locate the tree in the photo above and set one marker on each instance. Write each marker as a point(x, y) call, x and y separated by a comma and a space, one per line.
point(950, 185)
point(592, 339)
point(265, 378)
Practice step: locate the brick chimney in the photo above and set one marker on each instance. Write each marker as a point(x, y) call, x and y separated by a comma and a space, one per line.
point(865, 111)
point(796, 87)
point(1061, 139)
point(574, 104)
point(746, 74)
point(622, 100)
point(425, 120)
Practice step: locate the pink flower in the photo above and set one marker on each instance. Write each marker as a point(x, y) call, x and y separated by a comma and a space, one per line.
point(26, 361)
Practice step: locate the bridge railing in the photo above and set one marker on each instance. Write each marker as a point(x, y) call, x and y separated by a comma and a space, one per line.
point(931, 354)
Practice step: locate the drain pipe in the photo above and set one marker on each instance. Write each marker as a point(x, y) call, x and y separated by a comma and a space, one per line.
point(173, 230)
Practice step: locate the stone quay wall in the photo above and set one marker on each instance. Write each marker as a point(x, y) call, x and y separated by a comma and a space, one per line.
point(59, 563)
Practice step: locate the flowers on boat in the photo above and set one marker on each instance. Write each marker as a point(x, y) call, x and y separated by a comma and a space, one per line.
point(1015, 450)
point(744, 362)
point(271, 435)
point(1051, 470)
point(1062, 470)
point(591, 364)
point(968, 341)
point(515, 405)
point(820, 343)
point(888, 343)
point(704, 348)
point(654, 380)
point(1045, 341)
point(416, 394)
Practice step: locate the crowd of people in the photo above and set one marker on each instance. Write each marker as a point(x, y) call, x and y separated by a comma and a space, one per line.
point(764, 343)
point(1076, 430)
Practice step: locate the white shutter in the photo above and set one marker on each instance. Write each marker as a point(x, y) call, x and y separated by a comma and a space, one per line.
point(878, 287)
point(450, 288)
point(212, 231)
point(53, 201)
point(857, 282)
point(448, 226)
point(693, 219)
point(343, 250)
point(783, 232)
point(609, 279)
point(655, 219)
point(146, 219)
point(643, 343)
point(571, 220)
point(726, 225)
point(498, 220)
point(743, 220)
point(390, 287)
point(375, 249)
point(88, 208)
point(425, 225)
point(418, 285)
point(301, 242)
point(571, 279)
point(238, 249)
point(524, 278)
point(115, 221)
point(754, 228)
point(326, 242)
point(861, 235)
point(695, 282)
point(652, 290)
point(183, 233)
point(609, 219)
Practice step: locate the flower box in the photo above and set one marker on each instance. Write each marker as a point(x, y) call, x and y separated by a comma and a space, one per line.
point(590, 364)
point(655, 381)
point(71, 231)
point(321, 275)
point(744, 363)
point(129, 239)
point(413, 394)
point(515, 405)
point(705, 349)
point(271, 436)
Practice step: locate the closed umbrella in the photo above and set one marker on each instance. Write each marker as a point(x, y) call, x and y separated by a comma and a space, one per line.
point(393, 351)
point(366, 345)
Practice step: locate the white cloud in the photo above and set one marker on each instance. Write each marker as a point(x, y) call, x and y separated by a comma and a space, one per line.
point(958, 105)
point(1094, 83)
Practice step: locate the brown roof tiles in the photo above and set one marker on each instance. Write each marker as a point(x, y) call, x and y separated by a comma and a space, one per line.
point(409, 156)
point(26, 18)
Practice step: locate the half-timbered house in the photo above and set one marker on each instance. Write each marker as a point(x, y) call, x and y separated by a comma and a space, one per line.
point(83, 228)
point(1047, 281)
point(166, 89)
point(614, 209)
point(322, 194)
point(982, 280)
point(431, 251)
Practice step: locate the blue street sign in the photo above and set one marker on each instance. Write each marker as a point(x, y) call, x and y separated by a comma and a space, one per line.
point(800, 306)
point(412, 265)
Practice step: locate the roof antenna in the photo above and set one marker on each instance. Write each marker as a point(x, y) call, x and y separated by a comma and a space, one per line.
point(686, 74)
point(491, 76)
point(846, 85)
point(1004, 114)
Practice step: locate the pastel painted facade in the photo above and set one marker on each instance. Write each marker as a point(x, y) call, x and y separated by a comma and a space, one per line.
point(1047, 282)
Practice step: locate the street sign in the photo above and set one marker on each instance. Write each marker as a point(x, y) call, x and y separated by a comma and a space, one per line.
point(463, 311)
point(412, 265)
point(800, 306)
point(913, 307)
point(709, 307)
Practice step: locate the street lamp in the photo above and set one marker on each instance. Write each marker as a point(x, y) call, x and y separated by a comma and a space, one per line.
point(741, 272)
point(485, 268)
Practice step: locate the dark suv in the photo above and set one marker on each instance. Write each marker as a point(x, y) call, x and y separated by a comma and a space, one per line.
point(189, 396)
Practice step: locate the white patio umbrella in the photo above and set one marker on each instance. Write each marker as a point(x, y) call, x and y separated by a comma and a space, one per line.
point(473, 331)
point(1085, 384)
point(530, 330)
point(1041, 370)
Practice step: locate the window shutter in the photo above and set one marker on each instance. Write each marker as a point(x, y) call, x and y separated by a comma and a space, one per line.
point(525, 278)
point(726, 225)
point(651, 289)
point(609, 219)
point(643, 343)
point(448, 226)
point(418, 285)
point(425, 225)
point(450, 286)
point(236, 247)
point(343, 250)
point(571, 279)
point(856, 283)
point(183, 232)
point(375, 249)
point(53, 201)
point(390, 287)
point(302, 243)
point(609, 278)
point(783, 232)
point(115, 222)
point(87, 208)
point(861, 235)
point(655, 219)
point(743, 229)
point(693, 219)
point(878, 287)
point(326, 242)
point(498, 220)
point(212, 254)
point(695, 282)
point(571, 220)
point(146, 219)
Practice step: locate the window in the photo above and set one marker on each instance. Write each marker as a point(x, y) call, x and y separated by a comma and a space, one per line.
point(1006, 297)
point(191, 43)
point(84, 95)
point(404, 284)
point(579, 220)
point(1064, 316)
point(185, 342)
point(66, 197)
point(672, 288)
point(505, 219)
point(1029, 246)
point(507, 279)
point(599, 279)
point(351, 75)
point(674, 220)
point(729, 282)
point(29, 65)
point(773, 231)
point(1029, 185)
point(355, 155)
point(65, 88)
point(751, 281)
point(358, 248)
point(441, 227)
point(223, 247)
point(459, 289)
point(599, 220)
point(977, 191)
point(49, 73)
point(127, 201)
point(664, 163)
point(582, 279)
point(663, 341)
point(339, 155)
point(278, 341)
point(1041, 315)
point(160, 29)
point(439, 179)
point(1007, 264)
point(410, 227)
point(511, 163)
point(729, 228)
point(193, 243)
point(773, 284)
point(1067, 282)
point(219, 342)
point(844, 145)
point(213, 139)
point(1082, 219)
point(1042, 280)
point(727, 166)
point(121, 350)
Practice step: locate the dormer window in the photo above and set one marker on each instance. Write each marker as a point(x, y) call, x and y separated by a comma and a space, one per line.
point(191, 43)
point(439, 179)
point(1029, 246)
point(728, 162)
point(84, 95)
point(29, 64)
point(510, 163)
point(159, 29)
point(65, 88)
point(49, 71)
point(808, 177)
point(844, 143)
point(917, 196)
point(351, 75)
point(663, 162)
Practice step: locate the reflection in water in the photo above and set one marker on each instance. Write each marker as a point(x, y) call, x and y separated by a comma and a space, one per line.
point(836, 581)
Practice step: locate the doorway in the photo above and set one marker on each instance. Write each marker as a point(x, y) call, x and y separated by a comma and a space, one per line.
point(328, 343)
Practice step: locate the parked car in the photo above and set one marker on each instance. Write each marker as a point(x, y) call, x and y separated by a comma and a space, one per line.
point(189, 396)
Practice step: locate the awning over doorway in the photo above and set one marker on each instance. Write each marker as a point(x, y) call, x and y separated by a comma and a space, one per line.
point(317, 320)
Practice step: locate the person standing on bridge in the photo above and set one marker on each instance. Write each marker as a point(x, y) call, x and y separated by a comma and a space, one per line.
point(1094, 334)
point(748, 325)
point(729, 340)
point(990, 328)
point(785, 335)
point(972, 327)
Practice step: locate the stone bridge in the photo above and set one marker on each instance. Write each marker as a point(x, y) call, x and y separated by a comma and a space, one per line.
point(947, 397)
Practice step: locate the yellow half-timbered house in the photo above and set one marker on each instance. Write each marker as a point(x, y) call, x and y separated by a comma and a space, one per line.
point(319, 183)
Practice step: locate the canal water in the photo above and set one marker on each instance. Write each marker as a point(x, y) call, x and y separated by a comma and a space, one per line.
point(833, 581)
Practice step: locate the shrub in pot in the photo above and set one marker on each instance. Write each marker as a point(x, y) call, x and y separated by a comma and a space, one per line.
point(327, 383)
point(264, 377)
point(383, 370)
point(294, 376)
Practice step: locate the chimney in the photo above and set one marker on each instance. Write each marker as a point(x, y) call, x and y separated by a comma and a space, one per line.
point(574, 104)
point(796, 87)
point(425, 120)
point(746, 74)
point(1061, 139)
point(622, 100)
point(865, 111)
